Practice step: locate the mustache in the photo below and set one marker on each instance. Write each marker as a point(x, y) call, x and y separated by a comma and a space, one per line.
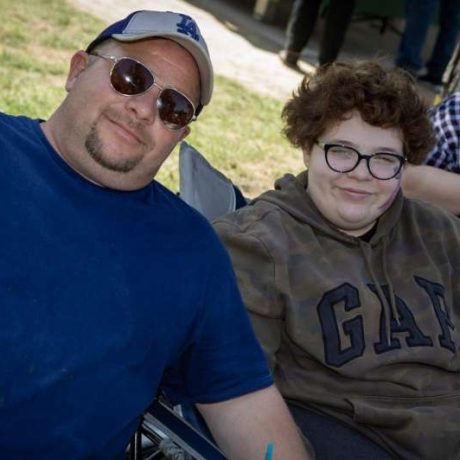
point(140, 131)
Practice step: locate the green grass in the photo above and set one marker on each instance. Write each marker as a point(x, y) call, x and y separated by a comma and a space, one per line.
point(37, 38)
point(239, 132)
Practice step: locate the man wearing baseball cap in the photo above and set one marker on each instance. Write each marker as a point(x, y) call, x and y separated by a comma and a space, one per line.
point(112, 287)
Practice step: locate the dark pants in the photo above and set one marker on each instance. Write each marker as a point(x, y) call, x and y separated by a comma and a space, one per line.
point(419, 16)
point(332, 439)
point(302, 21)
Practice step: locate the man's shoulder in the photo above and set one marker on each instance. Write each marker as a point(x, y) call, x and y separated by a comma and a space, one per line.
point(186, 212)
point(16, 125)
point(187, 221)
point(14, 120)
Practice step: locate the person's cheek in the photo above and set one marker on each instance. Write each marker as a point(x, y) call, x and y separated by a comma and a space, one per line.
point(393, 194)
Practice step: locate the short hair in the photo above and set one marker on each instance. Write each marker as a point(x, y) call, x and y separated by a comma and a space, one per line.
point(384, 98)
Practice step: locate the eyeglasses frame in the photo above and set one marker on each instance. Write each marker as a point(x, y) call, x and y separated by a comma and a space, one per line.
point(326, 146)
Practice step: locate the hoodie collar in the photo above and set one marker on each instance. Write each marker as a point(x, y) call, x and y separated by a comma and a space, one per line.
point(290, 194)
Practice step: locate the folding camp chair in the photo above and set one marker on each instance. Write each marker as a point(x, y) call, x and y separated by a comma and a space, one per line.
point(204, 187)
point(160, 424)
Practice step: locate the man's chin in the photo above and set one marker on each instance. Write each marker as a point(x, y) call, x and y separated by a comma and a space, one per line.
point(109, 159)
point(120, 166)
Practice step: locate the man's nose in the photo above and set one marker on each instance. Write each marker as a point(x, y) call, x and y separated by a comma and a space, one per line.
point(144, 105)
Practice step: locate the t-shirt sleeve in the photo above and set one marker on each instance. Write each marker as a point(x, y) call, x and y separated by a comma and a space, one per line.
point(224, 360)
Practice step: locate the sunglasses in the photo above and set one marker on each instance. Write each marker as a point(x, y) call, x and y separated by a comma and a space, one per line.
point(130, 77)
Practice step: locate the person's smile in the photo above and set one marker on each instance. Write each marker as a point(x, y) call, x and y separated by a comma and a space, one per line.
point(126, 132)
point(354, 193)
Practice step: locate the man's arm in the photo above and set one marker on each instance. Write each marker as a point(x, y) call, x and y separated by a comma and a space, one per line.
point(434, 185)
point(244, 426)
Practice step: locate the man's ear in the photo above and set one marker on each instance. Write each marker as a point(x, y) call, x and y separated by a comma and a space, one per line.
point(78, 63)
point(185, 132)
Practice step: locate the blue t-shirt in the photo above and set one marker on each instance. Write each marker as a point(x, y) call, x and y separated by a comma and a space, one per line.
point(105, 297)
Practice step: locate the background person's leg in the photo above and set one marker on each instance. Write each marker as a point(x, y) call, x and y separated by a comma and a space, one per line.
point(338, 19)
point(333, 439)
point(419, 14)
point(300, 26)
point(446, 40)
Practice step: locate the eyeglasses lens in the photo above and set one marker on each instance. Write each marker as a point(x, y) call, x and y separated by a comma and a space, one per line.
point(130, 78)
point(384, 166)
point(175, 110)
point(341, 159)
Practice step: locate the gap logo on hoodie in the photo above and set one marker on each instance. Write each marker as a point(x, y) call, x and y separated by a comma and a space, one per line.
point(402, 319)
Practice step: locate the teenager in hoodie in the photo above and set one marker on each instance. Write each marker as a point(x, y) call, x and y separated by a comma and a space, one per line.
point(352, 289)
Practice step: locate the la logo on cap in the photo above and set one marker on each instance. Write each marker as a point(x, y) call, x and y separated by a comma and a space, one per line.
point(187, 26)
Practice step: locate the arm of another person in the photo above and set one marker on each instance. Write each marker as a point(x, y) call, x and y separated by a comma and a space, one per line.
point(437, 186)
point(244, 426)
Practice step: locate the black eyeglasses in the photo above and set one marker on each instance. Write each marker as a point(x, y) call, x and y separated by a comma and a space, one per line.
point(130, 77)
point(343, 159)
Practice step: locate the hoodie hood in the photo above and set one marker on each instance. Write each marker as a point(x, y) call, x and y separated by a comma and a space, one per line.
point(290, 194)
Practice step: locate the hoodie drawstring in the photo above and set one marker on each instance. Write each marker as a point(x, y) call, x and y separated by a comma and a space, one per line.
point(390, 301)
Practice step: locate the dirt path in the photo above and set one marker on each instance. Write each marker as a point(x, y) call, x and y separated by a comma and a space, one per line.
point(232, 55)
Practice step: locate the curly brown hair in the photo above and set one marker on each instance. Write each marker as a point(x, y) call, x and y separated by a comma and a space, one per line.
point(384, 98)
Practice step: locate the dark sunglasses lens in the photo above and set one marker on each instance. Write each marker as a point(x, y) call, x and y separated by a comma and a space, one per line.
point(130, 77)
point(175, 110)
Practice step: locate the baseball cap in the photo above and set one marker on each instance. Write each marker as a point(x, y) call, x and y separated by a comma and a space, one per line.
point(178, 27)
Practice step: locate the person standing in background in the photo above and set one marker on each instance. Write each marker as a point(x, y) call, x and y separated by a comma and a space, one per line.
point(419, 16)
point(302, 22)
